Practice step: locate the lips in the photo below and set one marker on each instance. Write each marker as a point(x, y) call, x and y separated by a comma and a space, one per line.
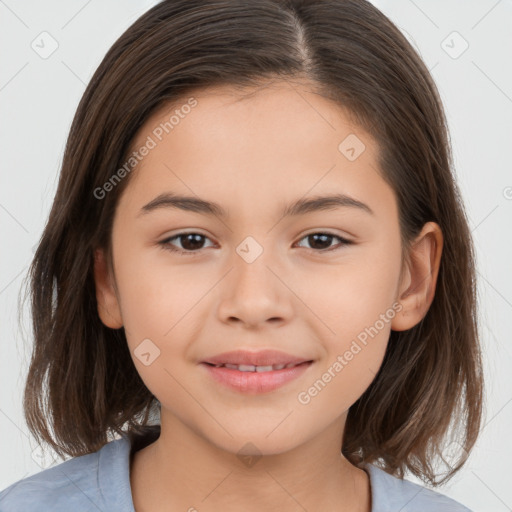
point(245, 360)
point(255, 368)
point(250, 372)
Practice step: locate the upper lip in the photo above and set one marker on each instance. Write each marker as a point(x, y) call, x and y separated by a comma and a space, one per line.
point(260, 358)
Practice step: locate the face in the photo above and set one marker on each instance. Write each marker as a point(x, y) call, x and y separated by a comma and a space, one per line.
point(319, 284)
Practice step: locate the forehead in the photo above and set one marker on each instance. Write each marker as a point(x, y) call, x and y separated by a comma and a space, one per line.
point(280, 139)
point(282, 115)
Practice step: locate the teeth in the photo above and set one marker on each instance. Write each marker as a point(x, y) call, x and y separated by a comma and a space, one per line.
point(246, 367)
point(254, 368)
point(264, 368)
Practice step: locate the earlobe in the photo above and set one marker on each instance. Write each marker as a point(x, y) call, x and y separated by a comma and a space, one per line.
point(417, 289)
point(106, 298)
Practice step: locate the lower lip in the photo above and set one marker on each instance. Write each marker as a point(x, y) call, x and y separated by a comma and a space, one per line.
point(255, 382)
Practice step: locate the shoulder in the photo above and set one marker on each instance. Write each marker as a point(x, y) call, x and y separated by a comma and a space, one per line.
point(71, 481)
point(390, 494)
point(81, 483)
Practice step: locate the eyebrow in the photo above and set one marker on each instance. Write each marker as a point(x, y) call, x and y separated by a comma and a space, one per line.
point(298, 207)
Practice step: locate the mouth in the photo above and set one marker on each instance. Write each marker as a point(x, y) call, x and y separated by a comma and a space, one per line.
point(260, 361)
point(256, 368)
point(255, 378)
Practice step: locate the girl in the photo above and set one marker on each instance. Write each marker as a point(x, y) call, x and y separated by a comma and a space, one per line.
point(198, 343)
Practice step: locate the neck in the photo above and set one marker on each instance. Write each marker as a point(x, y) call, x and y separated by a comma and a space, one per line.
point(183, 470)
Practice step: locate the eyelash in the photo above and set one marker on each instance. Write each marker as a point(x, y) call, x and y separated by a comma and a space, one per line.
point(166, 245)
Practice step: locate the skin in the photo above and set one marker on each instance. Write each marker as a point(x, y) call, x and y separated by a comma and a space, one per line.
point(252, 156)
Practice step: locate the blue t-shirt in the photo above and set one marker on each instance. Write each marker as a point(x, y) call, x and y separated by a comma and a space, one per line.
point(100, 481)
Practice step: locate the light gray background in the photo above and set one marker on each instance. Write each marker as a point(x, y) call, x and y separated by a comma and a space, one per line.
point(38, 98)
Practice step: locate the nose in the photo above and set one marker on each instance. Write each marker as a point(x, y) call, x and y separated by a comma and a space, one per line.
point(255, 293)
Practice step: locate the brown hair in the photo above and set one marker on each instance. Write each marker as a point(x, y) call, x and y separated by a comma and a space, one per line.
point(82, 384)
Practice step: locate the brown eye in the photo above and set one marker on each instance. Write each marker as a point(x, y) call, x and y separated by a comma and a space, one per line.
point(190, 242)
point(322, 241)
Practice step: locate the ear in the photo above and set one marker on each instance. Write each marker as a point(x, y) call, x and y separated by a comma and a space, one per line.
point(418, 284)
point(108, 304)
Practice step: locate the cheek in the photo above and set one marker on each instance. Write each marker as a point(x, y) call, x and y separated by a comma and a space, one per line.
point(356, 310)
point(354, 304)
point(162, 308)
point(158, 312)
point(159, 298)
point(351, 294)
